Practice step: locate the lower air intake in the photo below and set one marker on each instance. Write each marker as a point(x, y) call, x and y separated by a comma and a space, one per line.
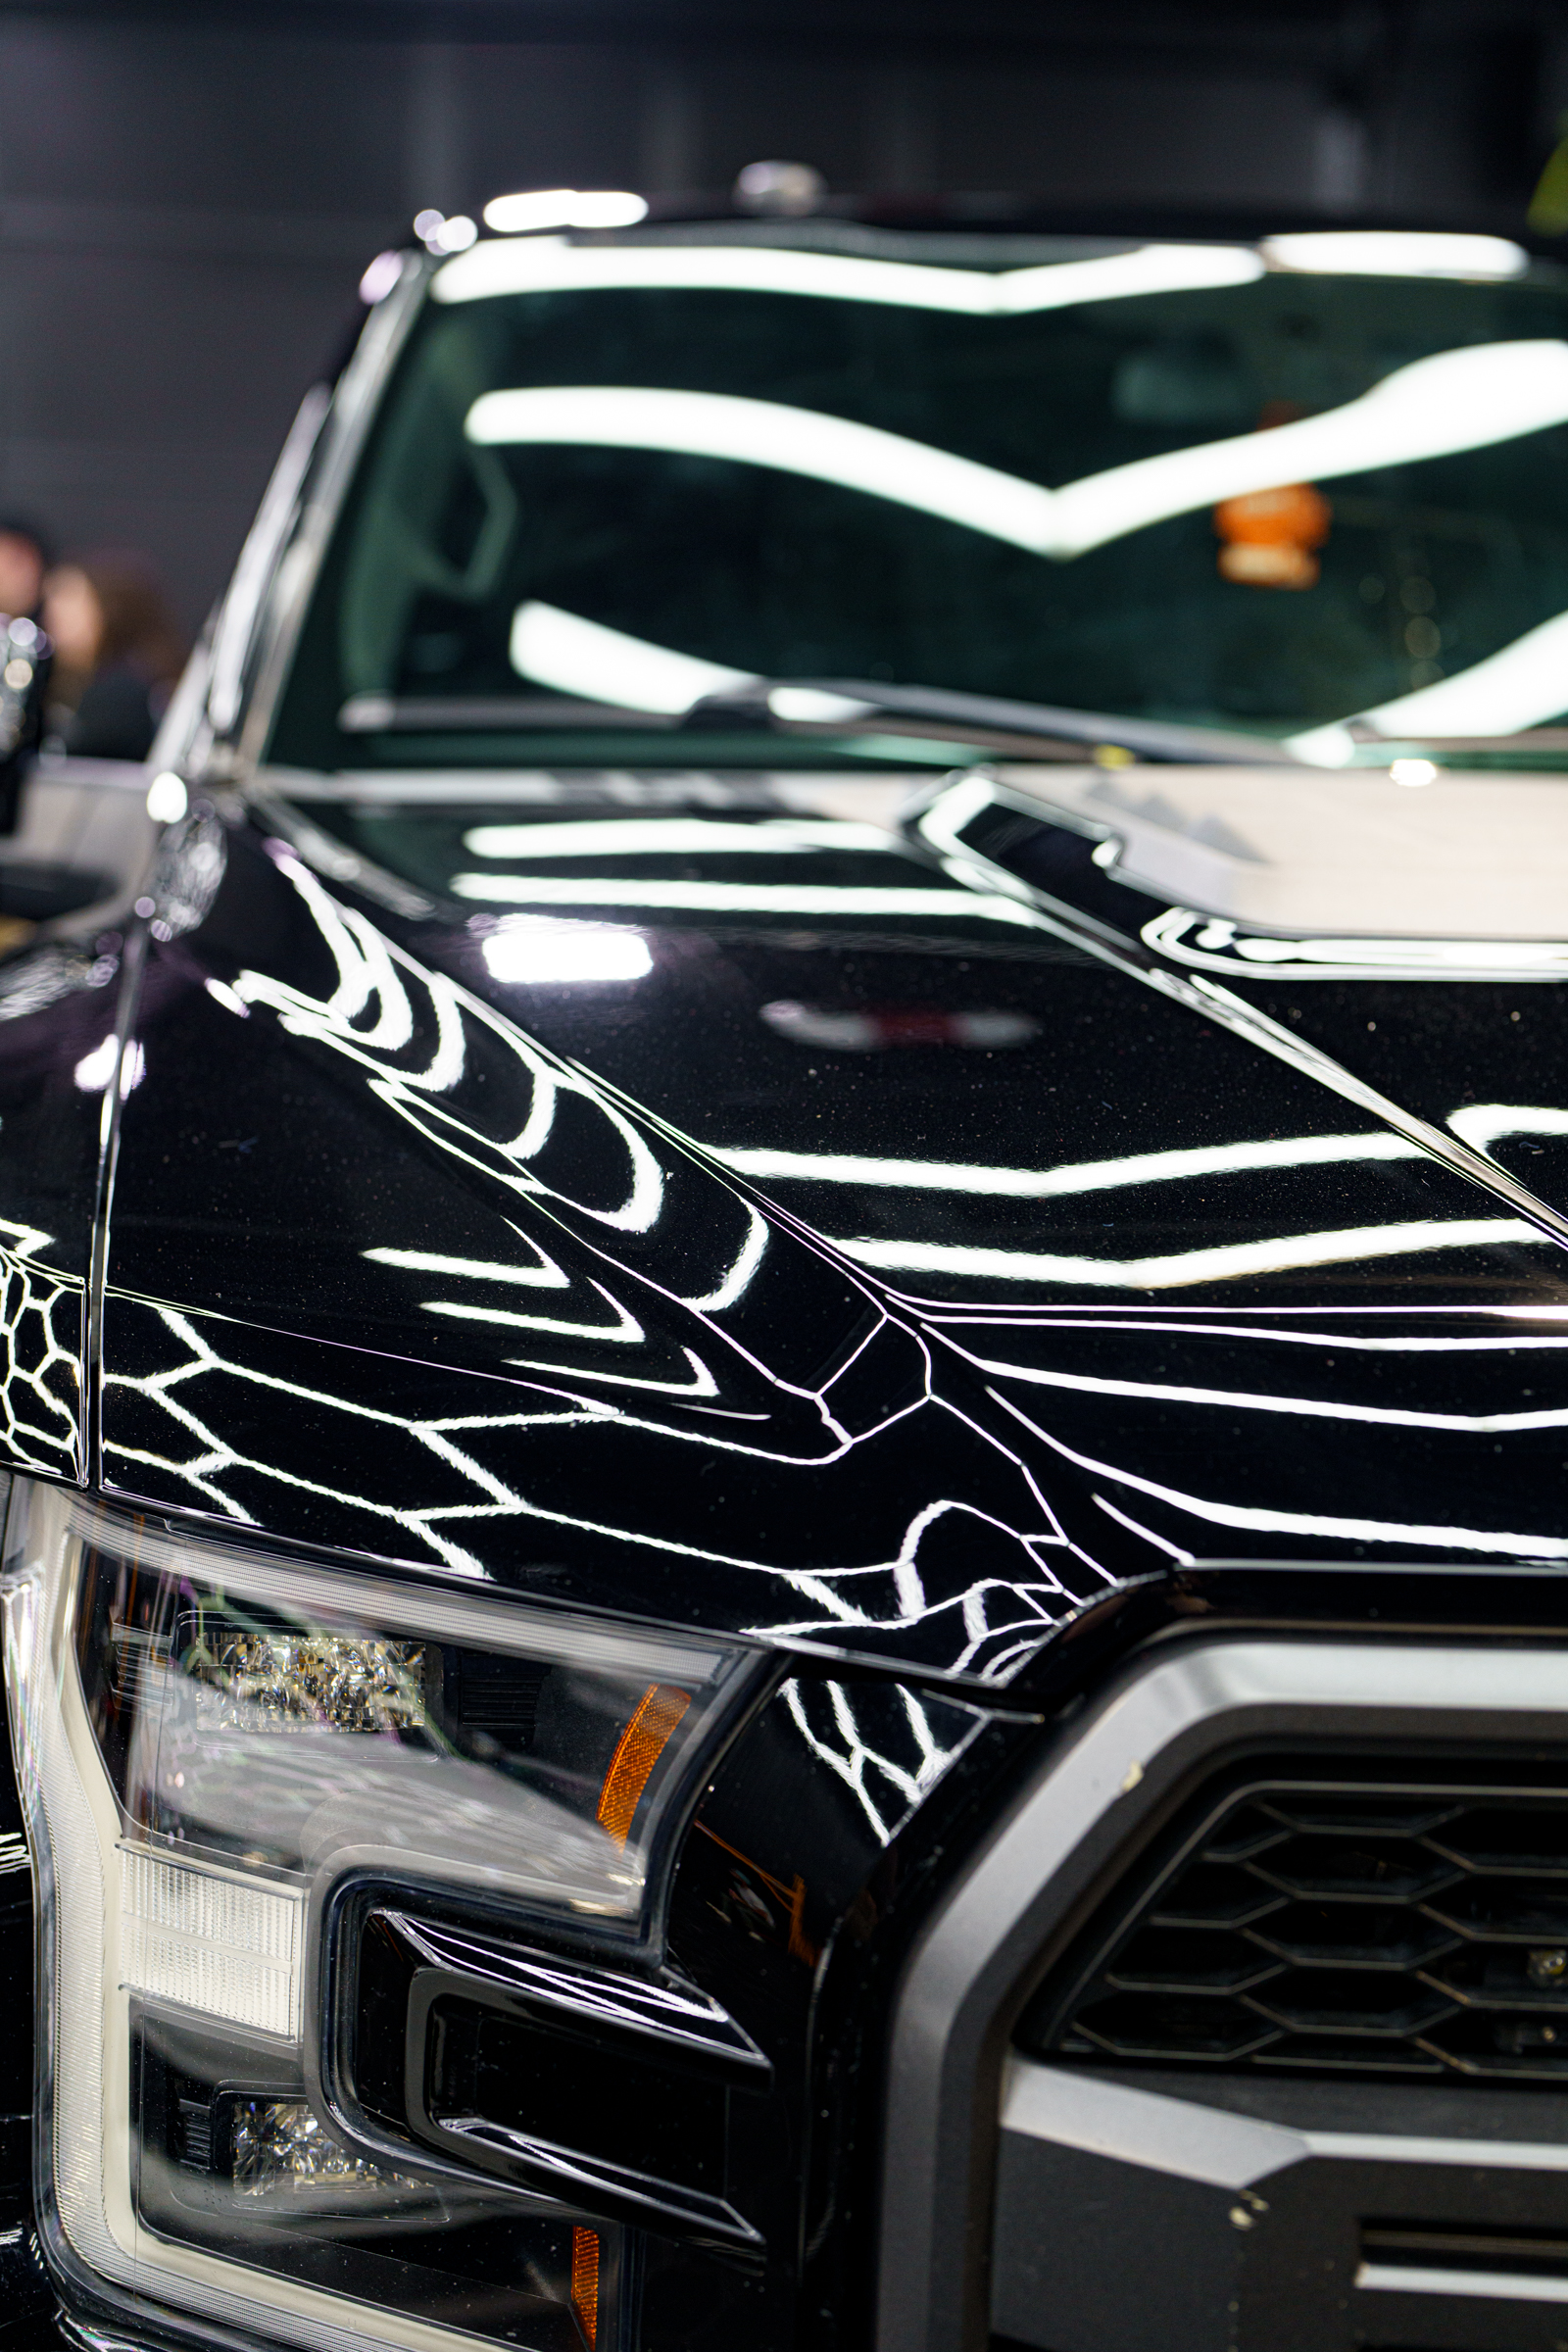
point(1334, 1924)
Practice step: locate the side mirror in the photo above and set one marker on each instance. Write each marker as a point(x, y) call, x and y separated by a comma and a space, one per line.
point(25, 656)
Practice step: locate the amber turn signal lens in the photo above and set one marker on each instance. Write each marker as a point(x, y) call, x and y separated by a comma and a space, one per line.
point(637, 1752)
point(585, 2283)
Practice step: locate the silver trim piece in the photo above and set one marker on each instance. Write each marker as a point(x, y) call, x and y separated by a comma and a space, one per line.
point(1500, 2286)
point(1141, 2126)
point(1194, 2141)
point(257, 561)
point(342, 437)
point(664, 2011)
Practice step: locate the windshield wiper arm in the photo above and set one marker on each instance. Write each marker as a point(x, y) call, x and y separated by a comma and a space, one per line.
point(824, 705)
point(784, 703)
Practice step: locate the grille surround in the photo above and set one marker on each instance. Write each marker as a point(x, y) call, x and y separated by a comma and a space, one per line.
point(1384, 1918)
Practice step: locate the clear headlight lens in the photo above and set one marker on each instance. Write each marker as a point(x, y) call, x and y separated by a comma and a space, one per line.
point(211, 1745)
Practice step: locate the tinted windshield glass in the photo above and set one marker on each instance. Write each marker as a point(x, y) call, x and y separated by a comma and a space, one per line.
point(620, 474)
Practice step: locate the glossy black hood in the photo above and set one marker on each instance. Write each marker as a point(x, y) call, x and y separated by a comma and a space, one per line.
point(880, 1268)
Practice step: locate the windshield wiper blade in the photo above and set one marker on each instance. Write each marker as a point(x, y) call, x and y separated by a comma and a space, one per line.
point(1521, 739)
point(463, 714)
point(783, 702)
point(847, 706)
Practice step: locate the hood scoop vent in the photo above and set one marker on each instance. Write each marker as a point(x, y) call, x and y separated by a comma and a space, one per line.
point(1278, 872)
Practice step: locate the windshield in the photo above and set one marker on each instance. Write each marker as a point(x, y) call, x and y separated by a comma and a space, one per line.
point(1202, 484)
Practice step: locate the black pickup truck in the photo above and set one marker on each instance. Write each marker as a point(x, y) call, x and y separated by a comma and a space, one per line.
point(785, 1379)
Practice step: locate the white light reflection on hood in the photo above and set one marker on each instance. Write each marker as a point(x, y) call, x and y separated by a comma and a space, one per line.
point(541, 953)
point(747, 1260)
point(1229, 1262)
point(675, 836)
point(94, 1073)
point(1312, 1408)
point(1045, 1184)
point(550, 266)
point(1456, 400)
point(543, 1275)
point(1483, 1124)
point(1262, 1520)
point(1318, 1336)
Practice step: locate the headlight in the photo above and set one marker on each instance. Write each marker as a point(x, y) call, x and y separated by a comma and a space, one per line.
point(237, 1769)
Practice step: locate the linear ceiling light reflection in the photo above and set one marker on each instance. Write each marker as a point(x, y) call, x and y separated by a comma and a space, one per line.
point(735, 898)
point(1046, 1184)
point(544, 954)
point(1397, 253)
point(552, 265)
point(1524, 684)
point(1307, 1408)
point(545, 1276)
point(1229, 1262)
point(1456, 400)
point(1483, 1124)
point(1534, 1547)
point(564, 208)
point(676, 836)
point(765, 432)
point(583, 657)
point(605, 665)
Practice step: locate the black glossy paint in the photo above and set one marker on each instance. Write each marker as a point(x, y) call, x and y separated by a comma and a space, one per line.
point(550, 1283)
point(822, 1324)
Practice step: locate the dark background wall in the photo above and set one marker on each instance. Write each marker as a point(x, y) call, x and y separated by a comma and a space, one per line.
point(189, 194)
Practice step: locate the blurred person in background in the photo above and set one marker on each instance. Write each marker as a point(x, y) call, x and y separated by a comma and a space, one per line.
point(23, 563)
point(117, 654)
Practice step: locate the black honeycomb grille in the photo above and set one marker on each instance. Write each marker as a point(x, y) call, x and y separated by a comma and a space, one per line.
point(1296, 1925)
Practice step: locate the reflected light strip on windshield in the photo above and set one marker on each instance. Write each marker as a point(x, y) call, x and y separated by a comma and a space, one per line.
point(766, 432)
point(1085, 1176)
point(605, 665)
point(551, 265)
point(1456, 400)
point(1520, 686)
point(1397, 253)
point(737, 897)
point(581, 657)
point(1230, 1261)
